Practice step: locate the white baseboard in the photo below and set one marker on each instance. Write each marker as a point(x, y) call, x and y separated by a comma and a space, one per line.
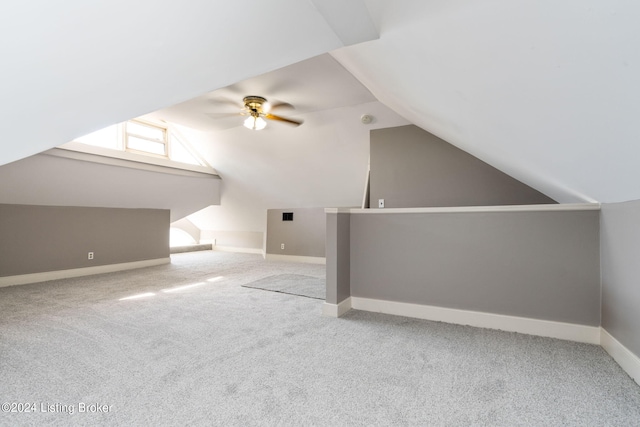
point(24, 279)
point(336, 310)
point(237, 250)
point(544, 328)
point(296, 258)
point(621, 354)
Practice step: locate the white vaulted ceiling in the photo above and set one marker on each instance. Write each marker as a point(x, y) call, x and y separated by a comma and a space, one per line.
point(316, 84)
point(321, 163)
point(72, 67)
point(546, 91)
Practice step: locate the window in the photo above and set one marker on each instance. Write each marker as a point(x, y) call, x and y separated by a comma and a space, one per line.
point(142, 137)
point(146, 138)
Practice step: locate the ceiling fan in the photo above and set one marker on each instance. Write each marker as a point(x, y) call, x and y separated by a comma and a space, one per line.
point(258, 109)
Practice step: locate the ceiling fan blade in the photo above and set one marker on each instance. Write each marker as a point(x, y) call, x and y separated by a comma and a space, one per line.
point(283, 119)
point(276, 105)
point(224, 115)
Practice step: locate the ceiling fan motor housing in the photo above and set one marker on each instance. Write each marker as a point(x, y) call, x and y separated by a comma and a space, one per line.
point(255, 107)
point(254, 104)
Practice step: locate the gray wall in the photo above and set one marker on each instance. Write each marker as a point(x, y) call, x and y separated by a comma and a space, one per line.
point(620, 252)
point(36, 239)
point(542, 265)
point(304, 236)
point(47, 180)
point(338, 241)
point(413, 168)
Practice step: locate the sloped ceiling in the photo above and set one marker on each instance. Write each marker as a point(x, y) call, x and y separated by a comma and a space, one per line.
point(545, 91)
point(321, 163)
point(52, 179)
point(72, 67)
point(315, 84)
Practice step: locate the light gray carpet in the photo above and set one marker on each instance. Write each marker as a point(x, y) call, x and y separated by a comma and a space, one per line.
point(222, 354)
point(292, 284)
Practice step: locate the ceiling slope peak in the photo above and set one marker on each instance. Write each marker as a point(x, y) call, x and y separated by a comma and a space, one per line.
point(545, 92)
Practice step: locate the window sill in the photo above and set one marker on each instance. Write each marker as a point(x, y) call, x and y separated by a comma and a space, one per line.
point(89, 153)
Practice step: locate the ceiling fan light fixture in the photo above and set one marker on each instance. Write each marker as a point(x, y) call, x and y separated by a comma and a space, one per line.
point(255, 123)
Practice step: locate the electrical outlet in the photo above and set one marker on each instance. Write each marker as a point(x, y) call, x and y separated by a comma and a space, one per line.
point(282, 246)
point(381, 203)
point(90, 255)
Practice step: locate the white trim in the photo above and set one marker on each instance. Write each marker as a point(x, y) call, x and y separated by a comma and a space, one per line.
point(468, 209)
point(622, 355)
point(339, 210)
point(90, 153)
point(336, 310)
point(238, 250)
point(296, 258)
point(24, 279)
point(523, 325)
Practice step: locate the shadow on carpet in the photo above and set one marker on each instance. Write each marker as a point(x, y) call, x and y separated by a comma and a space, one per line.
point(293, 284)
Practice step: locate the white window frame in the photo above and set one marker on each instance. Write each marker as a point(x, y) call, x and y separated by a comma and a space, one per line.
point(132, 157)
point(164, 141)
